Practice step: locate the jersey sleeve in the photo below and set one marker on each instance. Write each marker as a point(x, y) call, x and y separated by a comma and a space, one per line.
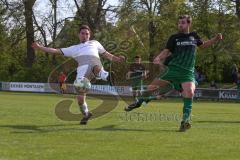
point(170, 44)
point(100, 48)
point(69, 51)
point(198, 39)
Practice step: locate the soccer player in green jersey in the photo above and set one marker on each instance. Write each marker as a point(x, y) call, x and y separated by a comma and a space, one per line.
point(179, 57)
point(136, 74)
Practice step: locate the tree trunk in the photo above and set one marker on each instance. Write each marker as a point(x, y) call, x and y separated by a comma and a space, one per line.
point(151, 32)
point(28, 13)
point(91, 12)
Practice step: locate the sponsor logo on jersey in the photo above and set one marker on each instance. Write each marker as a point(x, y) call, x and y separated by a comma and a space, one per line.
point(186, 43)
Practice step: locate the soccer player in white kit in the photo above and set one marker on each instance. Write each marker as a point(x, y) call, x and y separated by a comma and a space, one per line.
point(86, 53)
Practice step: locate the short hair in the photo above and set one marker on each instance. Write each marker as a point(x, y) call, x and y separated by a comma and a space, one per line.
point(189, 18)
point(137, 56)
point(84, 27)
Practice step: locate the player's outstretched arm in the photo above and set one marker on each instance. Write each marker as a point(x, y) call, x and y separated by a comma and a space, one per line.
point(159, 59)
point(37, 46)
point(213, 40)
point(113, 58)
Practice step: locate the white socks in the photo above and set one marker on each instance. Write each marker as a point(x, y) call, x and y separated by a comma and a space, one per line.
point(103, 74)
point(84, 109)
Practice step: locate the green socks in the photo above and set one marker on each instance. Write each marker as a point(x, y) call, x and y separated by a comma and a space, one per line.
point(187, 108)
point(146, 97)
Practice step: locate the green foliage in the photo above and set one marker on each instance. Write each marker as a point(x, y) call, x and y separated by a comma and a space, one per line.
point(209, 18)
point(212, 17)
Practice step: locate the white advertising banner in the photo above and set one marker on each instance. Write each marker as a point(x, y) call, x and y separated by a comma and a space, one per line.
point(28, 87)
point(110, 90)
point(220, 94)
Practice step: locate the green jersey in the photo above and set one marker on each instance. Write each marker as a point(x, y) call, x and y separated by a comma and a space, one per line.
point(137, 75)
point(137, 70)
point(183, 49)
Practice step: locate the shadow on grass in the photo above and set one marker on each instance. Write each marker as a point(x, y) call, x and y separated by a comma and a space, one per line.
point(217, 122)
point(53, 128)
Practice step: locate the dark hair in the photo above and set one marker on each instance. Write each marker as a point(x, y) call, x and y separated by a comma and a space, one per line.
point(84, 27)
point(189, 18)
point(137, 56)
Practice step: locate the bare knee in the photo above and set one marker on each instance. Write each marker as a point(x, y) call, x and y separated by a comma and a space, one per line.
point(152, 87)
point(96, 69)
point(188, 89)
point(188, 93)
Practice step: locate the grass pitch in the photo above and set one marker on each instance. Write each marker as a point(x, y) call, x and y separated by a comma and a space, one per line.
point(29, 129)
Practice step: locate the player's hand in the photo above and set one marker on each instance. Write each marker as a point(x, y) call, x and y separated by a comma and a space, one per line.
point(219, 36)
point(35, 45)
point(156, 61)
point(121, 58)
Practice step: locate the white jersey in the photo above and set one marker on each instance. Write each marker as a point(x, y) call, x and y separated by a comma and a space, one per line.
point(87, 56)
point(84, 53)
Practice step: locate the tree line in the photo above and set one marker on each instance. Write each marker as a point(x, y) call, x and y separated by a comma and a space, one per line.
point(131, 27)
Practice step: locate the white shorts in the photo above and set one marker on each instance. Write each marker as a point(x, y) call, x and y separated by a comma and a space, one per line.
point(85, 71)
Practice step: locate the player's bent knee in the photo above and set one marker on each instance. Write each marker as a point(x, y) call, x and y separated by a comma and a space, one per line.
point(188, 94)
point(152, 87)
point(191, 94)
point(96, 69)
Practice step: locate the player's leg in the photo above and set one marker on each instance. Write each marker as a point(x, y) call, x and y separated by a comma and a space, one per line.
point(81, 98)
point(83, 71)
point(134, 93)
point(188, 94)
point(60, 87)
point(159, 86)
point(155, 90)
point(63, 88)
point(99, 71)
point(136, 88)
